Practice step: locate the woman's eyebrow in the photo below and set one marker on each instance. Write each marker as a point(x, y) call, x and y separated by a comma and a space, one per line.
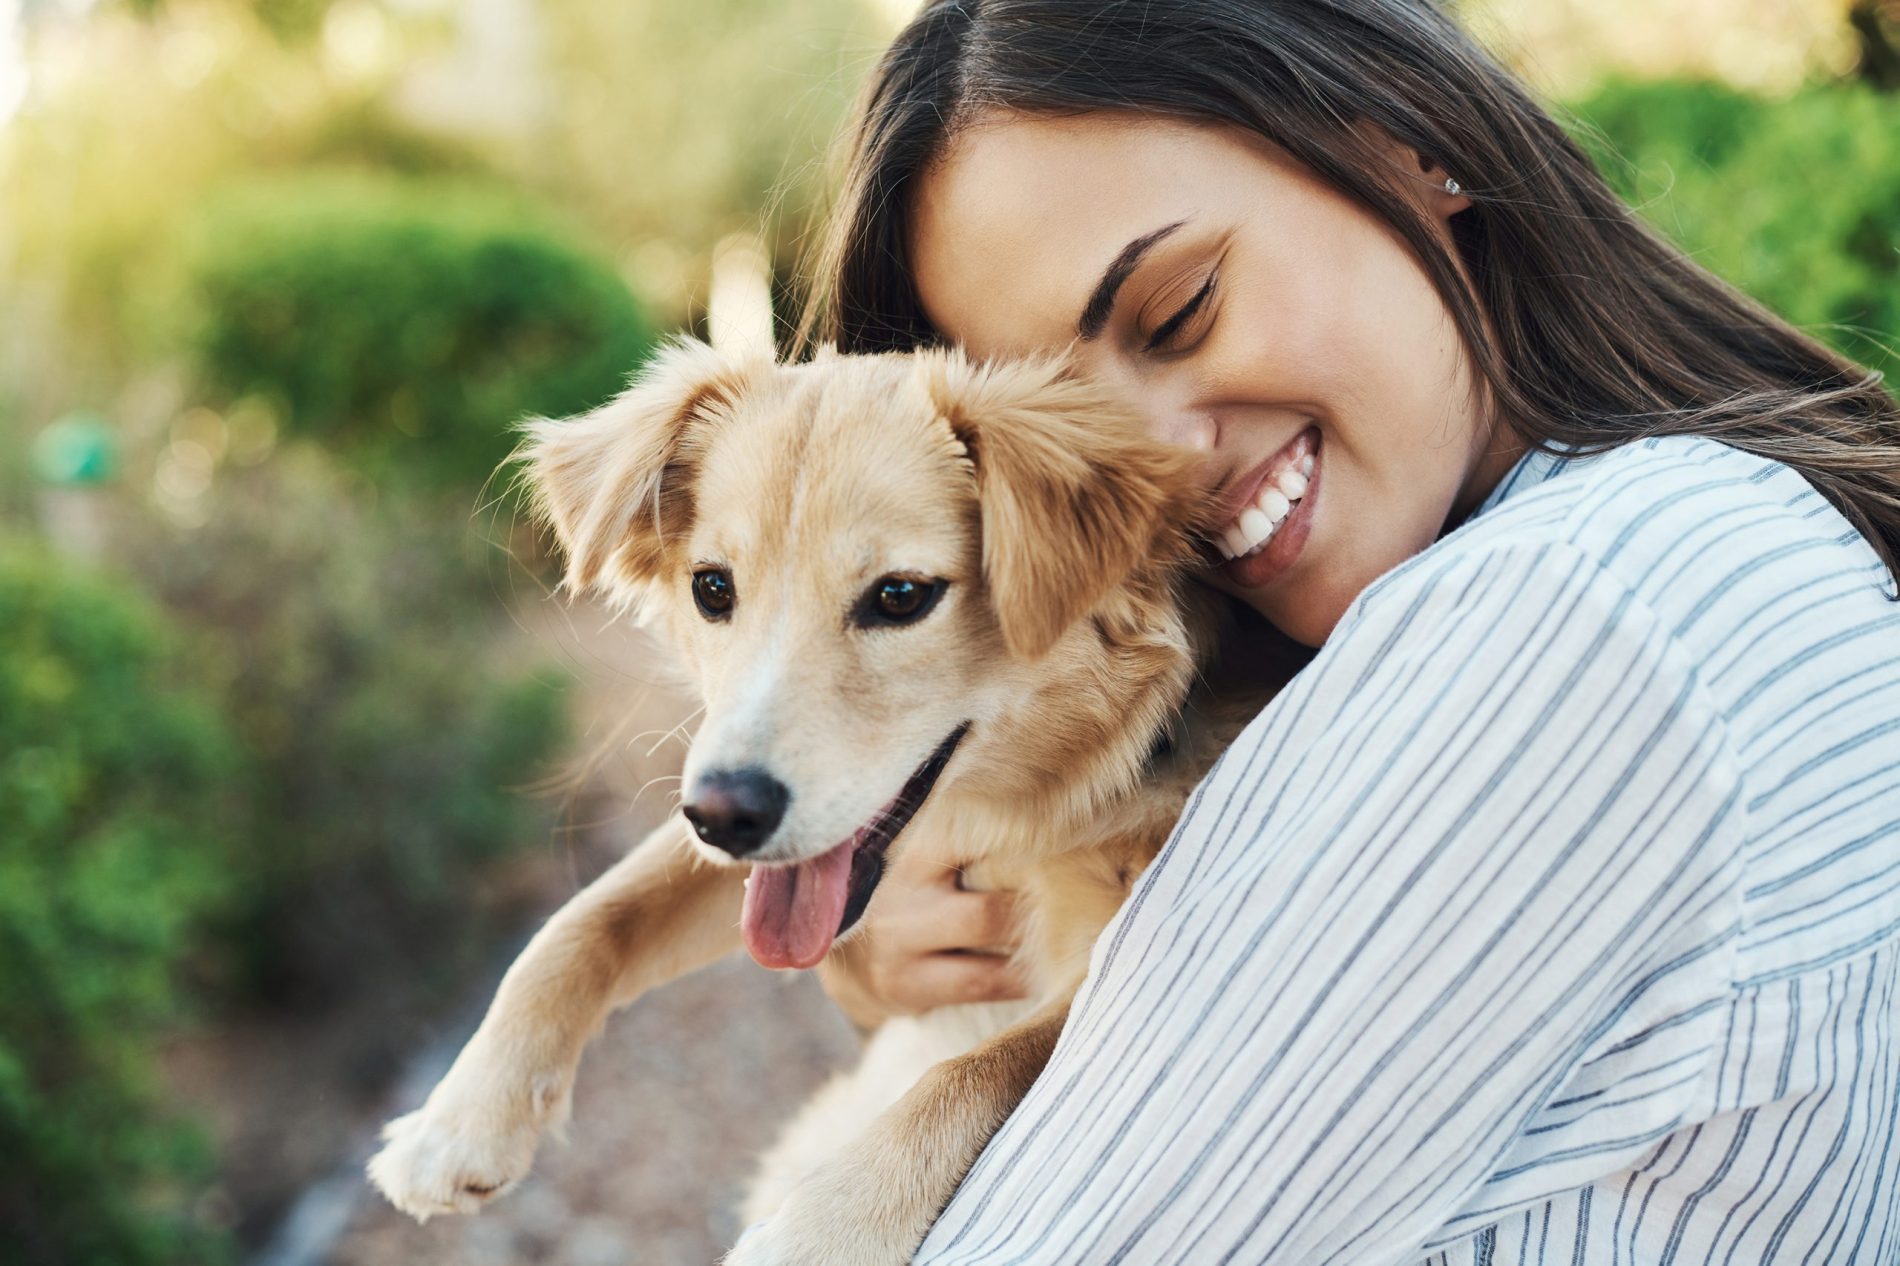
point(1095, 314)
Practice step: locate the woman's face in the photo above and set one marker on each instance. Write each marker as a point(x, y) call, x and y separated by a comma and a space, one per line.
point(1248, 311)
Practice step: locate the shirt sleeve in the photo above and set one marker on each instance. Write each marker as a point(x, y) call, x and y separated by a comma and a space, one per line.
point(1492, 830)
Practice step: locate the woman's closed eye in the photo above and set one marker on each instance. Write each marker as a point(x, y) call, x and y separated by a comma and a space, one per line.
point(1181, 331)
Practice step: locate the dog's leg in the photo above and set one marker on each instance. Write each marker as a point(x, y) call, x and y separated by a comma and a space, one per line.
point(874, 1202)
point(659, 913)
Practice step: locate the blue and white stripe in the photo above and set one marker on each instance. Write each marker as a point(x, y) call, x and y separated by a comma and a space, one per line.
point(1548, 917)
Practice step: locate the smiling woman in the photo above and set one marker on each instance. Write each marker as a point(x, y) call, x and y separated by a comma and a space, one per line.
point(1550, 913)
point(1265, 319)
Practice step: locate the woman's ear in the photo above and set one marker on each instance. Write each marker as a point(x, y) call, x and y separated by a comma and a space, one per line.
point(1071, 495)
point(1437, 190)
point(1443, 194)
point(614, 484)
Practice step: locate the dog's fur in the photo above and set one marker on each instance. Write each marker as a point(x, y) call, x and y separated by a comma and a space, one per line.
point(1067, 638)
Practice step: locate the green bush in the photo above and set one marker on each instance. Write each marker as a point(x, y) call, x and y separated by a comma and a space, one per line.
point(117, 807)
point(388, 713)
point(404, 323)
point(1797, 202)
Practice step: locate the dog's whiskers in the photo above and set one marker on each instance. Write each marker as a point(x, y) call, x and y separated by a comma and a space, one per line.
point(677, 732)
point(658, 778)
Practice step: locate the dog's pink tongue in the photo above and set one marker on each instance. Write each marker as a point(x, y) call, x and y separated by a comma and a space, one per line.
point(792, 912)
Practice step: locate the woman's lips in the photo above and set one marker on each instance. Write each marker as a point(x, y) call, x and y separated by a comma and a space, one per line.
point(1259, 564)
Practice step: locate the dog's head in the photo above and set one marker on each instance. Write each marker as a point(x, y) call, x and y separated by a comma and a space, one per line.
point(857, 559)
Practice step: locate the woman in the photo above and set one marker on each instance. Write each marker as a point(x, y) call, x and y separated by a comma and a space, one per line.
point(1550, 913)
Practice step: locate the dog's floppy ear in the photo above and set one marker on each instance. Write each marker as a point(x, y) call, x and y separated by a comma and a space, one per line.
point(614, 483)
point(1072, 496)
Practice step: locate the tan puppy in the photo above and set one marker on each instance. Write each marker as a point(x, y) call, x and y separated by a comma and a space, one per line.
point(907, 587)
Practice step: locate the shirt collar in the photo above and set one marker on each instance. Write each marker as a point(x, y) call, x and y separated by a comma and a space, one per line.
point(1533, 468)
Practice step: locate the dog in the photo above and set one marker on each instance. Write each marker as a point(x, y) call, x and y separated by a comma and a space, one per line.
point(929, 604)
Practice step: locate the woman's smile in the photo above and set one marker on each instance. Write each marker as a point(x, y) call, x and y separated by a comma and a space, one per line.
point(1274, 504)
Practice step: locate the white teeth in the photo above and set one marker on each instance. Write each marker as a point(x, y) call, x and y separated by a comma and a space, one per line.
point(1255, 526)
point(1249, 534)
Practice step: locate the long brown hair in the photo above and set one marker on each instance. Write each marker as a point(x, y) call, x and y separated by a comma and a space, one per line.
point(1588, 328)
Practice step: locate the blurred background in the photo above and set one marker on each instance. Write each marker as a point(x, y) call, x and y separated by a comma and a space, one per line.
point(295, 749)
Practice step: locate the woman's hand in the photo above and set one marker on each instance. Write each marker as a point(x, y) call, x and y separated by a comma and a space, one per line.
point(927, 942)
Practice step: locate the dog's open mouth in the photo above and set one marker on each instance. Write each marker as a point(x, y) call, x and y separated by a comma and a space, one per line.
point(794, 913)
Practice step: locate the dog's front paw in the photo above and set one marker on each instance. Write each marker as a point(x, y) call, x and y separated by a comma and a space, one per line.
point(458, 1152)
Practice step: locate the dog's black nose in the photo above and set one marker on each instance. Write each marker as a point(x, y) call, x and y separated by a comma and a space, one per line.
point(737, 809)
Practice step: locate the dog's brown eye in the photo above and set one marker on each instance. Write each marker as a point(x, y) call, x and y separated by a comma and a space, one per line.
point(712, 590)
point(897, 600)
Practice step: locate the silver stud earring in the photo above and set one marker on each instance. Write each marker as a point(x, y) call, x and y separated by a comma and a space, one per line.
point(1452, 187)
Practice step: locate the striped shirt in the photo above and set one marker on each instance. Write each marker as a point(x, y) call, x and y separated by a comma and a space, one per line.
point(1549, 916)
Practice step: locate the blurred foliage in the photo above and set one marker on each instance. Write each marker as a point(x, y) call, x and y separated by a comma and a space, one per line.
point(675, 124)
point(1876, 27)
point(363, 134)
point(1797, 202)
point(1564, 47)
point(662, 126)
point(129, 132)
point(366, 668)
point(306, 806)
point(119, 795)
point(289, 19)
point(406, 324)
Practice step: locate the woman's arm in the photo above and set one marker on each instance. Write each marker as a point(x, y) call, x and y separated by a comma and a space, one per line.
point(1490, 832)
